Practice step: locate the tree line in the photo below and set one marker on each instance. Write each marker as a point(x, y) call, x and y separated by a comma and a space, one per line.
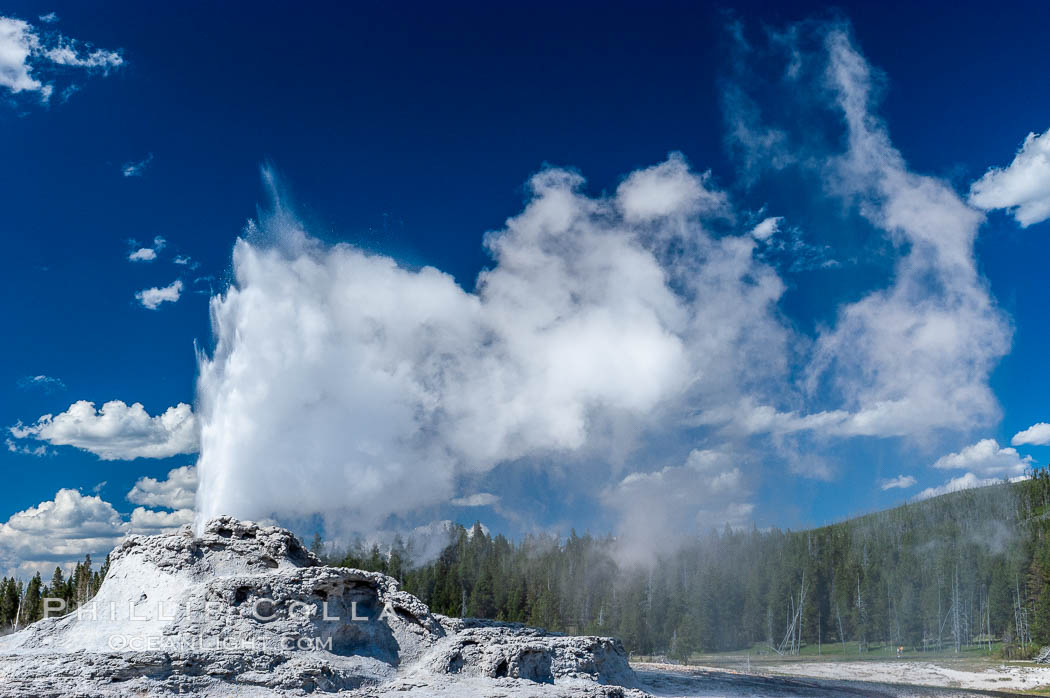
point(966, 569)
point(22, 603)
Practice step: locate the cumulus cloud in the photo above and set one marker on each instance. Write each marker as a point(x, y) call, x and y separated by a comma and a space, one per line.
point(62, 530)
point(177, 491)
point(1036, 435)
point(986, 458)
point(117, 431)
point(67, 527)
point(17, 42)
point(964, 482)
point(147, 254)
point(481, 499)
point(151, 298)
point(143, 254)
point(28, 56)
point(707, 491)
point(987, 464)
point(1022, 187)
point(902, 482)
point(136, 169)
point(148, 522)
point(47, 384)
point(669, 189)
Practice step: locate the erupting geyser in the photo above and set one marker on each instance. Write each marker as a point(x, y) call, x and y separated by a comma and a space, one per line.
point(345, 385)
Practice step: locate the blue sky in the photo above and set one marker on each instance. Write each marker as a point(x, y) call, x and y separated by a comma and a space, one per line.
point(409, 133)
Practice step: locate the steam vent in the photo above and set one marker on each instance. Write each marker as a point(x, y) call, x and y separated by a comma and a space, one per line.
point(247, 610)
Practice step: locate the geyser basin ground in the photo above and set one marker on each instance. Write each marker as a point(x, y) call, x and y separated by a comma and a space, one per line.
point(246, 610)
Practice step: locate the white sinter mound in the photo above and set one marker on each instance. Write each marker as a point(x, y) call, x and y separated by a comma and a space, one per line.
point(246, 610)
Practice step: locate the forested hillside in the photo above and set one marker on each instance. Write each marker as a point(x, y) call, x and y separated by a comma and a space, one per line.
point(962, 569)
point(22, 603)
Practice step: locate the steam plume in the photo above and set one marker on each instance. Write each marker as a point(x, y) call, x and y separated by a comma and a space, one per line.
point(346, 385)
point(634, 340)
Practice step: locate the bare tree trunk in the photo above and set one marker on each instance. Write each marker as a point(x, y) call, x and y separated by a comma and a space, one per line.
point(18, 613)
point(842, 636)
point(940, 615)
point(988, 618)
point(956, 624)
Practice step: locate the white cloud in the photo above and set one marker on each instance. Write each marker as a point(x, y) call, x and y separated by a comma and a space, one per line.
point(911, 357)
point(986, 458)
point(17, 42)
point(147, 254)
point(70, 515)
point(21, 449)
point(902, 482)
point(755, 146)
point(175, 492)
point(963, 482)
point(1023, 187)
point(788, 248)
point(151, 298)
point(669, 189)
point(69, 55)
point(47, 384)
point(766, 228)
point(117, 431)
point(49, 18)
point(1036, 435)
point(143, 254)
point(62, 530)
point(147, 522)
point(26, 55)
point(659, 509)
point(917, 355)
point(136, 169)
point(481, 499)
point(184, 260)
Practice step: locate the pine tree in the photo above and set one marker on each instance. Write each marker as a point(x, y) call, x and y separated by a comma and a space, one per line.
point(398, 559)
point(483, 599)
point(32, 609)
point(8, 602)
point(57, 588)
point(375, 561)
